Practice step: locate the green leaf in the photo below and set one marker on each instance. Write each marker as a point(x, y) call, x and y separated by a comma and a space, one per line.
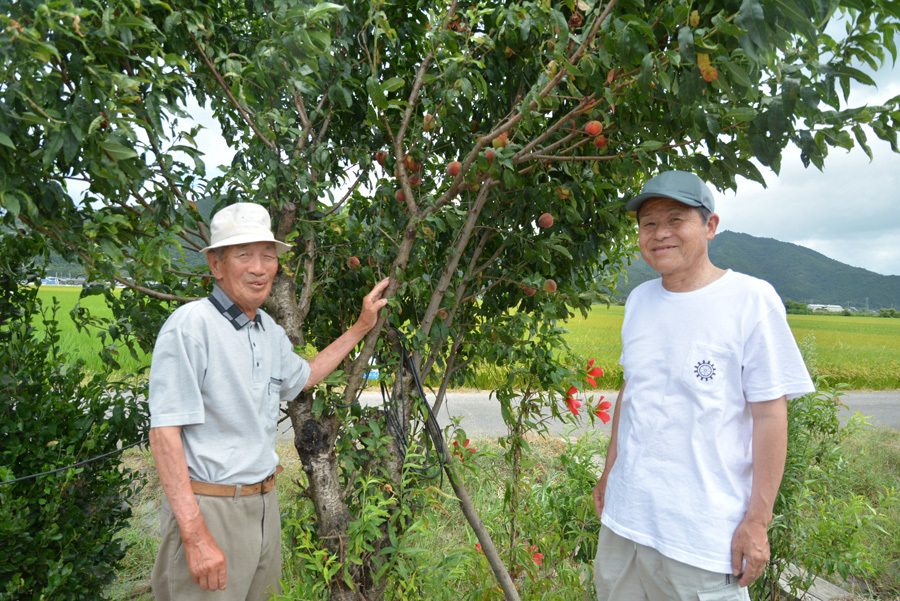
point(376, 94)
point(7, 141)
point(738, 74)
point(651, 145)
point(393, 84)
point(741, 114)
point(843, 71)
point(9, 202)
point(726, 27)
point(323, 8)
point(561, 249)
point(752, 19)
point(799, 17)
point(647, 65)
point(686, 43)
point(117, 151)
point(320, 39)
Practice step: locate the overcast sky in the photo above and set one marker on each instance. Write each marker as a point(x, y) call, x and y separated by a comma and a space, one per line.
point(849, 212)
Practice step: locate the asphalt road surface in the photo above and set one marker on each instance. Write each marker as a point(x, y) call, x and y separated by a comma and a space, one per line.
point(481, 417)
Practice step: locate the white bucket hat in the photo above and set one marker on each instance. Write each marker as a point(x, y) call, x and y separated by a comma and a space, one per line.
point(243, 223)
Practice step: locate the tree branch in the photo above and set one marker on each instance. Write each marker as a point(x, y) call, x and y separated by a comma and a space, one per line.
point(248, 118)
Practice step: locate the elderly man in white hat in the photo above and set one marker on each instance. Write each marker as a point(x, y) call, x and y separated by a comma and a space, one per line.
point(699, 433)
point(220, 368)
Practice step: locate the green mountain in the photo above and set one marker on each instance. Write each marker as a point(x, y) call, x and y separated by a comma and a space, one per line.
point(797, 273)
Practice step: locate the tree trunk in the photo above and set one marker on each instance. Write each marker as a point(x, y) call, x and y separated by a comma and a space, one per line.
point(314, 440)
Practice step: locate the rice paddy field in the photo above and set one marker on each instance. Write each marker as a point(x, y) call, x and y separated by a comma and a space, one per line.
point(863, 352)
point(84, 344)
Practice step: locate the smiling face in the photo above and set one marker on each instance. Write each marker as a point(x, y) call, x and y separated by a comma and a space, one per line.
point(245, 273)
point(674, 241)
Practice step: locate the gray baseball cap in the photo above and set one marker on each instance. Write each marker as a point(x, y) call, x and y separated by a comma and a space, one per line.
point(680, 186)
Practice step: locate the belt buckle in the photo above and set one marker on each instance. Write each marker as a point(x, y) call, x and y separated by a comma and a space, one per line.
point(262, 483)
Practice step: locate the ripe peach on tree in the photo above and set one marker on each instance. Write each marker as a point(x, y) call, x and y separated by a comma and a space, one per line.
point(593, 128)
point(545, 220)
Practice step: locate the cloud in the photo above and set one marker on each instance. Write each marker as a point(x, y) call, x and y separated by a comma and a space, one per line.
point(849, 212)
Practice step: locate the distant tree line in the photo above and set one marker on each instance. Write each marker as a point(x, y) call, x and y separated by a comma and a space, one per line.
point(797, 308)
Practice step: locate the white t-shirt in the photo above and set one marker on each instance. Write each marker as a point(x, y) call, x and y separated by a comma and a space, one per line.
point(692, 362)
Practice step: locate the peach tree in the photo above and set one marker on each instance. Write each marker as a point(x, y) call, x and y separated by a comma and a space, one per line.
point(477, 153)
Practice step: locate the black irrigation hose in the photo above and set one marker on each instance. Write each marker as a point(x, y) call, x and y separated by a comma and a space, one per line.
point(74, 465)
point(393, 412)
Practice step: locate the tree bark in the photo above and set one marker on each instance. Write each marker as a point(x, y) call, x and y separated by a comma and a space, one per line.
point(314, 440)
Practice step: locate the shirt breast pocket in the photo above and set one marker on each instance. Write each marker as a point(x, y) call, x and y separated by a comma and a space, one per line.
point(274, 397)
point(705, 368)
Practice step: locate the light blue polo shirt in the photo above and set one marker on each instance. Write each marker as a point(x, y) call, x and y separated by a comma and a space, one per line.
point(222, 377)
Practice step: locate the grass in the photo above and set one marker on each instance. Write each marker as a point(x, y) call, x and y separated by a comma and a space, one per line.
point(447, 563)
point(863, 352)
point(86, 344)
point(875, 464)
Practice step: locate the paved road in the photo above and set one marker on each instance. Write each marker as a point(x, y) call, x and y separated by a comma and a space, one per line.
point(481, 414)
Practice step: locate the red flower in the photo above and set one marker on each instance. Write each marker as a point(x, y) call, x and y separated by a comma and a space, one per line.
point(593, 372)
point(601, 410)
point(478, 546)
point(538, 558)
point(572, 402)
point(458, 451)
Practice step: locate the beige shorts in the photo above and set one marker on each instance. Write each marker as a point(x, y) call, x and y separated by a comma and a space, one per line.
point(247, 529)
point(627, 571)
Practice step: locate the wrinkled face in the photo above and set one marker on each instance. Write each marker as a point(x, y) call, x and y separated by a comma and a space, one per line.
point(245, 273)
point(673, 238)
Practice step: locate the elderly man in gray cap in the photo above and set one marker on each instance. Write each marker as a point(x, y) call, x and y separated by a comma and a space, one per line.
point(699, 433)
point(220, 368)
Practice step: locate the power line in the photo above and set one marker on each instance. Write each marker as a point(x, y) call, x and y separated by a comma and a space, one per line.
point(74, 465)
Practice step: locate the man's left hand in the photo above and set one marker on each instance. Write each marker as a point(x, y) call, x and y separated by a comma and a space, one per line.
point(372, 304)
point(749, 551)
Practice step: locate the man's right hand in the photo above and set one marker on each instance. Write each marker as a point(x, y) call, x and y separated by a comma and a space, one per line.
point(205, 559)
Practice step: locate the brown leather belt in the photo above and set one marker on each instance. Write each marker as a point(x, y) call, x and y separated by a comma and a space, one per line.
point(232, 490)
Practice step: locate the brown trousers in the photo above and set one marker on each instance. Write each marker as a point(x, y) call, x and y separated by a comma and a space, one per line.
point(247, 529)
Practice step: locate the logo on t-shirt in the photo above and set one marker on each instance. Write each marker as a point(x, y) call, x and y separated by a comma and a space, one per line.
point(705, 370)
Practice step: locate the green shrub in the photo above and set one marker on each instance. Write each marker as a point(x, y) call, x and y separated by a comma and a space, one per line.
point(821, 522)
point(58, 532)
point(796, 308)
